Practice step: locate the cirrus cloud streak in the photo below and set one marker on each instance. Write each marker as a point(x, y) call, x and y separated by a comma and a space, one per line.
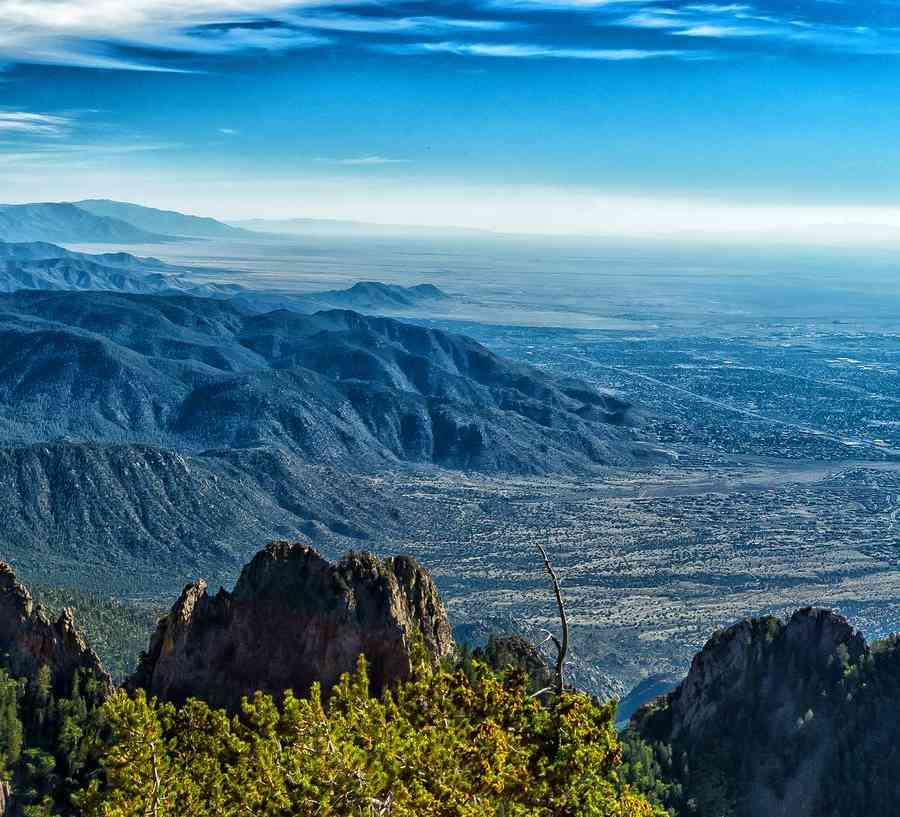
point(188, 35)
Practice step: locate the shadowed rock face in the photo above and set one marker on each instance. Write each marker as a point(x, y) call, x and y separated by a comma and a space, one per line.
point(816, 641)
point(768, 706)
point(294, 619)
point(30, 640)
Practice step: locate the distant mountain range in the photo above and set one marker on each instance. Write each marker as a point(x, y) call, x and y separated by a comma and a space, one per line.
point(366, 296)
point(334, 387)
point(101, 221)
point(45, 266)
point(374, 295)
point(66, 223)
point(167, 222)
point(42, 250)
point(96, 221)
point(40, 265)
point(154, 425)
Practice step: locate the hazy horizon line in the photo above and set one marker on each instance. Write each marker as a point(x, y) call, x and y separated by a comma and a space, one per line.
point(633, 218)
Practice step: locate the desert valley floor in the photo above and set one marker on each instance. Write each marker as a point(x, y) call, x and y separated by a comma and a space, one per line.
point(778, 483)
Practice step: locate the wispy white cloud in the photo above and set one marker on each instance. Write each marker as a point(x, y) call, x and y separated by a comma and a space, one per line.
point(474, 25)
point(37, 140)
point(712, 8)
point(736, 21)
point(562, 4)
point(532, 51)
point(709, 30)
point(34, 124)
point(87, 32)
point(36, 158)
point(228, 131)
point(87, 57)
point(105, 33)
point(228, 40)
point(342, 21)
point(135, 21)
point(121, 34)
point(661, 18)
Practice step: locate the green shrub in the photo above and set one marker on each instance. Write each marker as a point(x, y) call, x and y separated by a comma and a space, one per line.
point(446, 743)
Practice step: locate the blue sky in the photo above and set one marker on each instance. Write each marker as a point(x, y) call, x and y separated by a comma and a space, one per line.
point(539, 115)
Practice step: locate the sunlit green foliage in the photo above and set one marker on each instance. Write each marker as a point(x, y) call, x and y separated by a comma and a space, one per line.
point(444, 743)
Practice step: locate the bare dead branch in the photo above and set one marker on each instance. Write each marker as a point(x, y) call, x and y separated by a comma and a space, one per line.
point(543, 691)
point(561, 648)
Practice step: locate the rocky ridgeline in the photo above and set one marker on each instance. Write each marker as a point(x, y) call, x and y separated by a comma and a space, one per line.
point(761, 657)
point(29, 639)
point(294, 619)
point(784, 718)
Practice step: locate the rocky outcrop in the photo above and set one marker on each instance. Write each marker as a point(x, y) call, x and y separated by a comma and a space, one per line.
point(762, 657)
point(761, 725)
point(29, 639)
point(294, 619)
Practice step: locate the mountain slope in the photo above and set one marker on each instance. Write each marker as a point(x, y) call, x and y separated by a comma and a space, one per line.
point(167, 222)
point(365, 296)
point(137, 520)
point(77, 274)
point(334, 387)
point(62, 223)
point(45, 266)
point(26, 251)
point(369, 296)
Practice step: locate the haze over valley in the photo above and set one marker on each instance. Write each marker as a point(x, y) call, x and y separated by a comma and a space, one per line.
point(214, 391)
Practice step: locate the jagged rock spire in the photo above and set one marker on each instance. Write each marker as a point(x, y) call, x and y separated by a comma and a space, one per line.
point(294, 619)
point(30, 640)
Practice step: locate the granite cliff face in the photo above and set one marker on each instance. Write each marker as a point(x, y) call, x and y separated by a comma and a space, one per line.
point(770, 712)
point(755, 657)
point(30, 640)
point(294, 619)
